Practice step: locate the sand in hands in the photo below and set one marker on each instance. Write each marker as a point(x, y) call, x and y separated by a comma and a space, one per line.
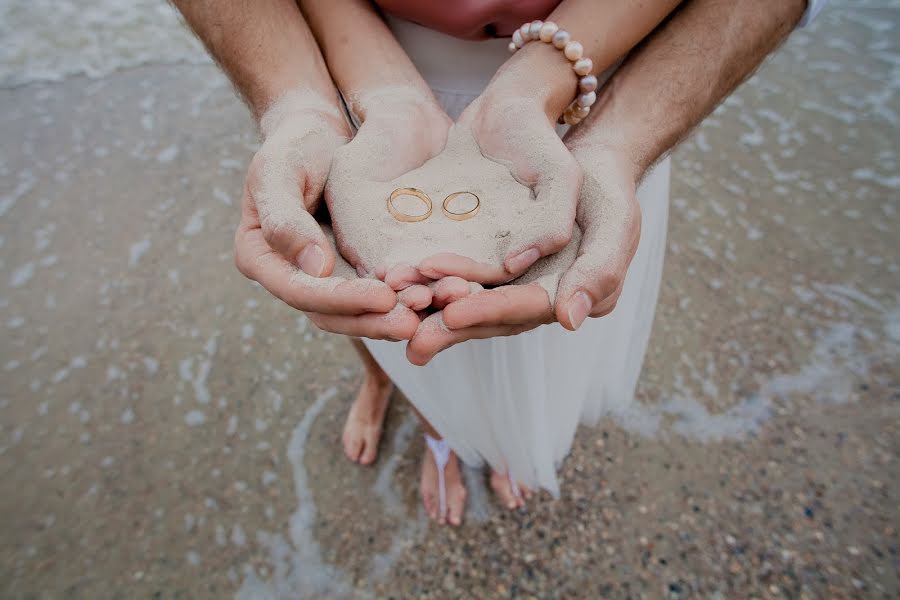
point(370, 236)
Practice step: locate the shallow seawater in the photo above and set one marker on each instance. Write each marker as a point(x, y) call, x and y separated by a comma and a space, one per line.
point(166, 427)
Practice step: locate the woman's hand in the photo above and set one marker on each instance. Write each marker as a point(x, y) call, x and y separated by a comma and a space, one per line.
point(512, 128)
point(280, 245)
point(589, 279)
point(402, 130)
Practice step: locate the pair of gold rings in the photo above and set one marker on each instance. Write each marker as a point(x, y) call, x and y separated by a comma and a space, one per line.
point(405, 218)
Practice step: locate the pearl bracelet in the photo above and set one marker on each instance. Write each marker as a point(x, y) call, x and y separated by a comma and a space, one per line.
point(549, 32)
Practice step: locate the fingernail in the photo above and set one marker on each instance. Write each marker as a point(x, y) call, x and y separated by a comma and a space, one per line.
point(519, 263)
point(579, 306)
point(312, 260)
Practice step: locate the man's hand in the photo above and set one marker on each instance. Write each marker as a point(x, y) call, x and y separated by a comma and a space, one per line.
point(513, 129)
point(610, 217)
point(273, 60)
point(585, 279)
point(280, 245)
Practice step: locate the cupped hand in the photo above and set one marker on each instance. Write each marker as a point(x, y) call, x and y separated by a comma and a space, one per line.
point(514, 130)
point(400, 132)
point(583, 280)
point(279, 243)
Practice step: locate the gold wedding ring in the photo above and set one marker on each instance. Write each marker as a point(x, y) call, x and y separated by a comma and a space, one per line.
point(457, 216)
point(406, 191)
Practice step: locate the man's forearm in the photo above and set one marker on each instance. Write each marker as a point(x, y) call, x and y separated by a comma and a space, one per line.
point(607, 31)
point(681, 73)
point(265, 48)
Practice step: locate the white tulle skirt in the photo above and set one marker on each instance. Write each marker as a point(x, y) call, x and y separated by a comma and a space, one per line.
point(515, 402)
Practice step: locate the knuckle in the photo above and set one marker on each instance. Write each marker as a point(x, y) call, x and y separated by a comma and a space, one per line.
point(606, 309)
point(254, 172)
point(319, 322)
point(239, 262)
point(607, 283)
point(561, 235)
point(635, 214)
point(240, 257)
point(276, 232)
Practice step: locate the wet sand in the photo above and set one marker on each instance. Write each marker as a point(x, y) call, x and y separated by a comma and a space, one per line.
point(169, 430)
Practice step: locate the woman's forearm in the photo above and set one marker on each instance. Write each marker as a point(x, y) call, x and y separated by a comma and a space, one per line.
point(607, 31)
point(266, 48)
point(365, 60)
point(680, 75)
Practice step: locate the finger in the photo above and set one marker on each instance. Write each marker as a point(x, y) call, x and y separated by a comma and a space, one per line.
point(402, 276)
point(601, 309)
point(447, 264)
point(557, 188)
point(286, 225)
point(432, 337)
point(450, 289)
point(399, 324)
point(598, 272)
point(508, 305)
point(415, 297)
point(330, 295)
point(352, 447)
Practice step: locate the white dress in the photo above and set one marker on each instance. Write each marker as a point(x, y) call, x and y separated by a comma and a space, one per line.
point(515, 402)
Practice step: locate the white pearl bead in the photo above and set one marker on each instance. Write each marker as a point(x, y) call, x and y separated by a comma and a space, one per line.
point(583, 66)
point(547, 31)
point(561, 38)
point(534, 30)
point(581, 111)
point(587, 99)
point(524, 31)
point(517, 39)
point(587, 84)
point(573, 51)
point(512, 47)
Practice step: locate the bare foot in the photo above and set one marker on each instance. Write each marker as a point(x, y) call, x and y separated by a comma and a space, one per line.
point(362, 430)
point(455, 490)
point(510, 494)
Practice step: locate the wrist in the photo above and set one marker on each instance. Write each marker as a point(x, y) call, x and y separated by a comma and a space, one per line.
point(303, 103)
point(540, 72)
point(616, 134)
point(407, 105)
point(602, 154)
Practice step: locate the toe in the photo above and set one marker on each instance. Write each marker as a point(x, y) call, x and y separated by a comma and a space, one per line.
point(457, 504)
point(501, 487)
point(526, 491)
point(369, 452)
point(428, 503)
point(352, 446)
point(370, 448)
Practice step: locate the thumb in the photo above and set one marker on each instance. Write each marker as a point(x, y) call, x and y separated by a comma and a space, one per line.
point(287, 226)
point(549, 229)
point(592, 284)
